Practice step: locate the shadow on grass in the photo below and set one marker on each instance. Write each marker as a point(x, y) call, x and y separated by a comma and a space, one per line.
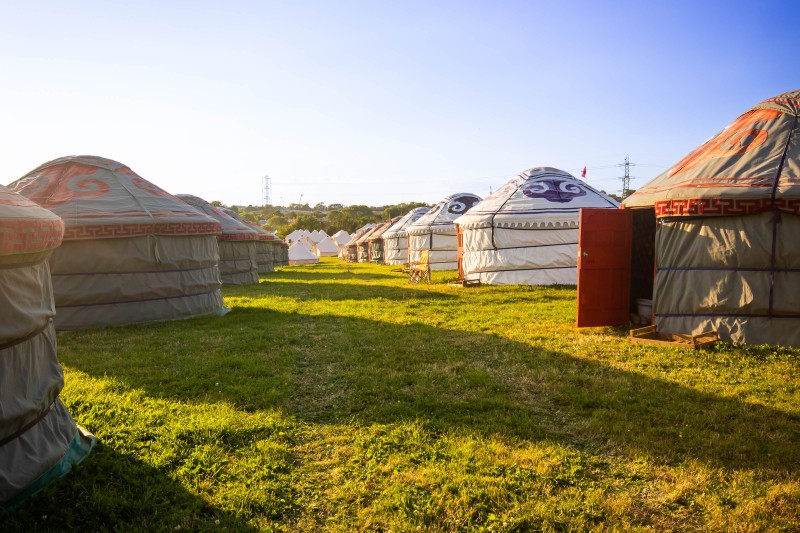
point(333, 291)
point(336, 370)
point(115, 492)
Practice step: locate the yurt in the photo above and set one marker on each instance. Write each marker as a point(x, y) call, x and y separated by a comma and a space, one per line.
point(726, 244)
point(131, 253)
point(362, 243)
point(237, 244)
point(351, 248)
point(282, 251)
point(265, 262)
point(375, 241)
point(434, 231)
point(327, 248)
point(395, 239)
point(39, 440)
point(526, 232)
point(300, 255)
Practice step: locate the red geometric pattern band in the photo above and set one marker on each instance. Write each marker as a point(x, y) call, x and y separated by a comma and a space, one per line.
point(19, 236)
point(723, 206)
point(102, 231)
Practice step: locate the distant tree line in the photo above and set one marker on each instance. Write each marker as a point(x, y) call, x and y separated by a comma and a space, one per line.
point(331, 218)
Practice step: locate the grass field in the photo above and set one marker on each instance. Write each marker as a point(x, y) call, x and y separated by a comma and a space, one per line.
point(338, 397)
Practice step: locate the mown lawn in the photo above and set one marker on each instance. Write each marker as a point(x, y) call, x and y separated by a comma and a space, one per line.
point(338, 397)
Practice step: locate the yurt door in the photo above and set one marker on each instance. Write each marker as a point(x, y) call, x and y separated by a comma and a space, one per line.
point(460, 252)
point(604, 267)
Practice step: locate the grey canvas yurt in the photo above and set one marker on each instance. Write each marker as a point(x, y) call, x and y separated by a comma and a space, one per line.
point(526, 232)
point(375, 242)
point(726, 243)
point(132, 252)
point(39, 441)
point(395, 239)
point(435, 232)
point(265, 256)
point(237, 244)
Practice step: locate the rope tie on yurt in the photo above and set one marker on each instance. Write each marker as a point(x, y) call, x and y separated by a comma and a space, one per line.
point(27, 337)
point(491, 224)
point(776, 217)
point(18, 433)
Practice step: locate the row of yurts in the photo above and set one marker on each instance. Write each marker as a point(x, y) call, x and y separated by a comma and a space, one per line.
point(84, 241)
point(724, 248)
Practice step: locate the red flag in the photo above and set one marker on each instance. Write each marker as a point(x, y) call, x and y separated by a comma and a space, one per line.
point(583, 173)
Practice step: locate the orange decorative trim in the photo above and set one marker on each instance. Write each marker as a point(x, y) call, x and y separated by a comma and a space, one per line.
point(723, 206)
point(19, 236)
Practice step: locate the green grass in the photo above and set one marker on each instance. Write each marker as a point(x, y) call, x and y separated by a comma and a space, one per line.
point(338, 397)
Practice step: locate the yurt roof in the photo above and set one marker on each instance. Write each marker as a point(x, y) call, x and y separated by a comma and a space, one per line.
point(378, 234)
point(263, 235)
point(100, 198)
point(232, 229)
point(298, 252)
point(541, 197)
point(327, 245)
point(398, 228)
point(441, 216)
point(26, 227)
point(367, 234)
point(359, 233)
point(750, 166)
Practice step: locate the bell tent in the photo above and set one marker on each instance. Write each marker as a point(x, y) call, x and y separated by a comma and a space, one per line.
point(435, 231)
point(131, 253)
point(237, 244)
point(726, 252)
point(526, 232)
point(38, 438)
point(327, 248)
point(300, 255)
point(395, 239)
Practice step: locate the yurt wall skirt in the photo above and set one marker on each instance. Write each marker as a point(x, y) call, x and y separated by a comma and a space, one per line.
point(395, 239)
point(526, 233)
point(132, 252)
point(39, 441)
point(726, 244)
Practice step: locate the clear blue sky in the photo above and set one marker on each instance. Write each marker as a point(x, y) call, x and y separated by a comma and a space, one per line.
point(380, 102)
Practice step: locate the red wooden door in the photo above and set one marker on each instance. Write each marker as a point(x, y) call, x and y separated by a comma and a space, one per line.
point(604, 267)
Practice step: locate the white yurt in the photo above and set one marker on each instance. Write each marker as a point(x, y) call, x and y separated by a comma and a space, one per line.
point(237, 244)
point(39, 441)
point(526, 232)
point(132, 252)
point(395, 239)
point(300, 255)
point(327, 248)
point(726, 243)
point(434, 231)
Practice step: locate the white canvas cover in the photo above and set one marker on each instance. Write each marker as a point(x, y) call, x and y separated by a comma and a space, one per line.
point(375, 241)
point(132, 252)
point(341, 237)
point(395, 239)
point(293, 236)
point(39, 441)
point(315, 236)
point(526, 232)
point(300, 255)
point(327, 248)
point(726, 246)
point(237, 244)
point(436, 232)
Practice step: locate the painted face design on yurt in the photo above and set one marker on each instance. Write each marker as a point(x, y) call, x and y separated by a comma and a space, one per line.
point(554, 190)
point(462, 204)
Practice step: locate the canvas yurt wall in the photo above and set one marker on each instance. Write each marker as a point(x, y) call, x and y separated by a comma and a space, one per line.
point(351, 248)
point(727, 253)
point(362, 244)
point(526, 232)
point(395, 239)
point(39, 441)
point(300, 255)
point(283, 252)
point(375, 241)
point(131, 253)
point(435, 231)
point(265, 260)
point(237, 244)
